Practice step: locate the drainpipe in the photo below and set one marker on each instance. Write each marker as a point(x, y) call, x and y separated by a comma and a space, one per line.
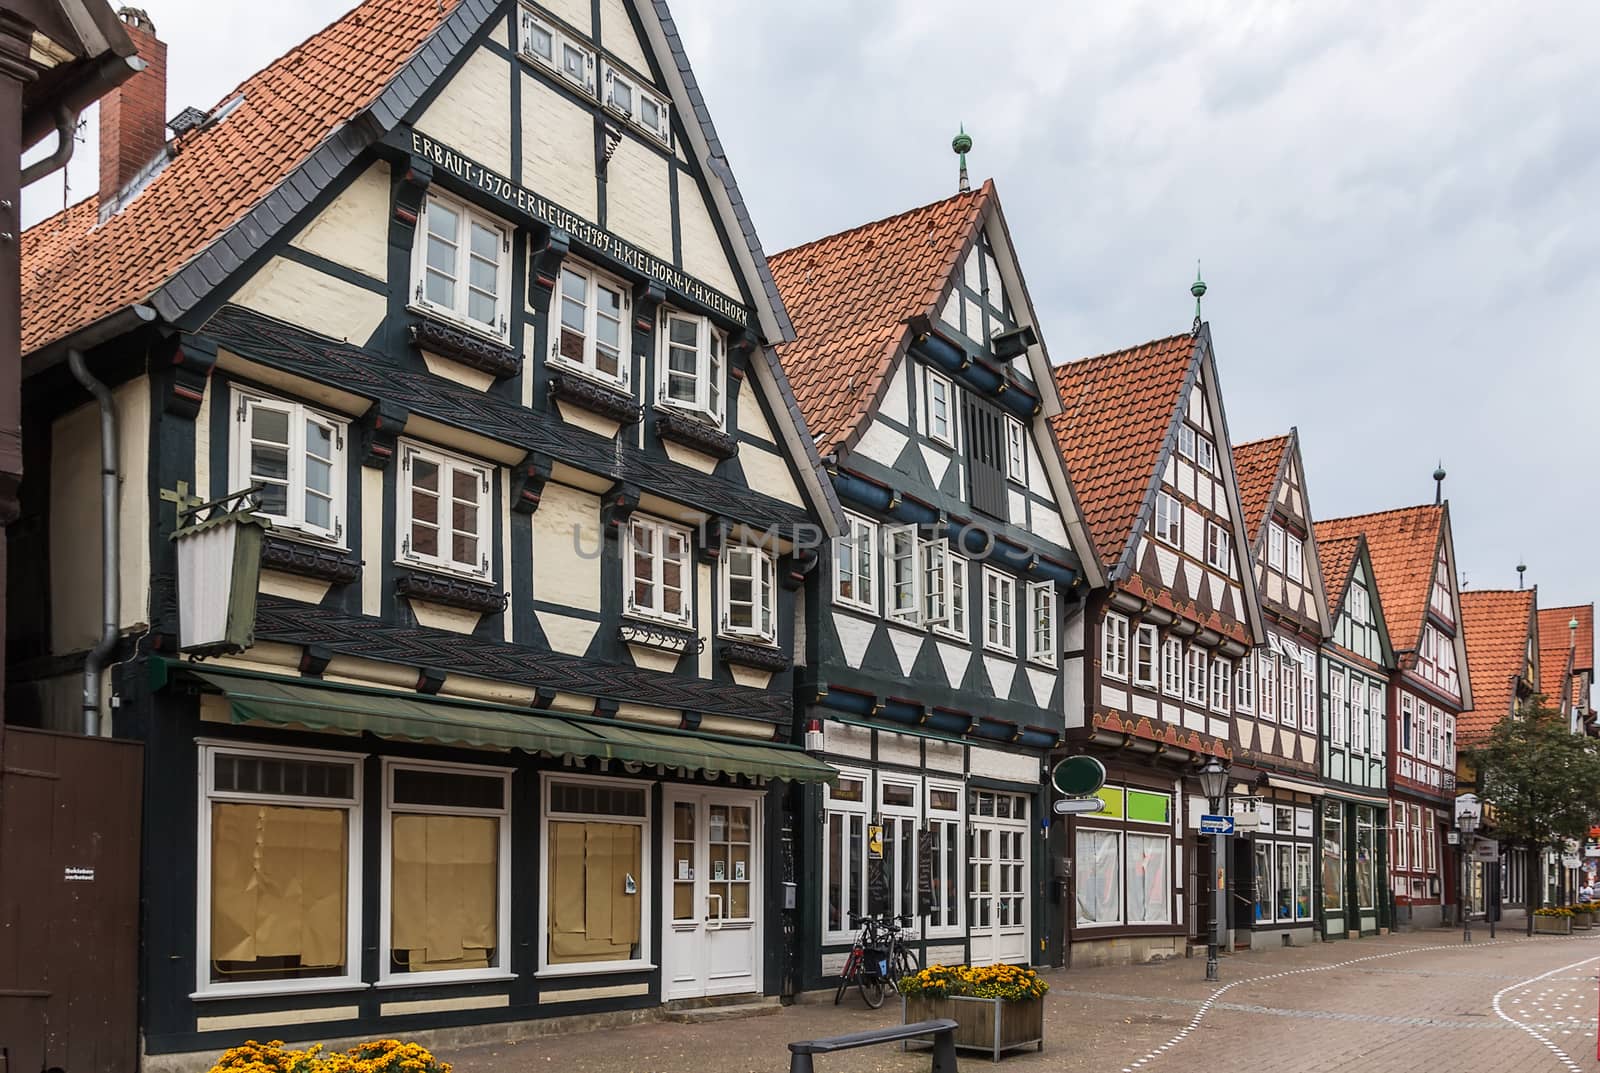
point(66, 128)
point(110, 549)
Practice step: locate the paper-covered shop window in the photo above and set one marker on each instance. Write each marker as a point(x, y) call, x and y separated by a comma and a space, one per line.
point(445, 880)
point(594, 892)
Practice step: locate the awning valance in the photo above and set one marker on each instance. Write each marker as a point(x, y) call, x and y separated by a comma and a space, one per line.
point(283, 702)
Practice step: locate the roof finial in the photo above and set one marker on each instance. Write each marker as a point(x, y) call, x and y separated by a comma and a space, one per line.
point(1198, 289)
point(1438, 483)
point(1522, 568)
point(962, 144)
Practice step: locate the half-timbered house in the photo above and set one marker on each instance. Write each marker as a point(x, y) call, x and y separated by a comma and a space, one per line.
point(1275, 866)
point(1413, 562)
point(1566, 663)
point(1357, 663)
point(498, 723)
point(936, 646)
point(1145, 436)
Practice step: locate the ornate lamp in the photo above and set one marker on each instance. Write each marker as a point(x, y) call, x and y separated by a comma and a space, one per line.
point(219, 571)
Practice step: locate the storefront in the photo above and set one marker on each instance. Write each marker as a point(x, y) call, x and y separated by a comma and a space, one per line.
point(1354, 902)
point(1282, 867)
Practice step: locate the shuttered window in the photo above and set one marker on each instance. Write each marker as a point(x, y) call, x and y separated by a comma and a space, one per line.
point(986, 457)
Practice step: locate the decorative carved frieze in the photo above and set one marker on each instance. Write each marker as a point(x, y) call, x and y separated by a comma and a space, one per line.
point(597, 398)
point(759, 657)
point(468, 348)
point(452, 592)
point(692, 432)
point(308, 560)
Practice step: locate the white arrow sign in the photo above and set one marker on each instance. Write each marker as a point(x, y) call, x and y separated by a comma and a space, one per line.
point(1071, 805)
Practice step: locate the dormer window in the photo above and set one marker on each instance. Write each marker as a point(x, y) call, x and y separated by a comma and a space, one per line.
point(1186, 441)
point(1204, 454)
point(593, 312)
point(549, 47)
point(693, 362)
point(461, 265)
point(641, 107)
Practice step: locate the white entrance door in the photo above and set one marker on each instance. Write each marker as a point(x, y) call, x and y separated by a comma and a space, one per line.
point(712, 892)
point(997, 863)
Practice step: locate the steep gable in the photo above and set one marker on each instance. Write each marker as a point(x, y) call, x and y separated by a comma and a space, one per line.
point(1500, 627)
point(1404, 545)
point(1260, 466)
point(1272, 483)
point(1560, 651)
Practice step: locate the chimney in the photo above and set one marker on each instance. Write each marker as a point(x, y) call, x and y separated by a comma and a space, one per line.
point(133, 117)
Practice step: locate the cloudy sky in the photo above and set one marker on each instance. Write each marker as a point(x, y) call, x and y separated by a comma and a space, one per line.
point(1395, 206)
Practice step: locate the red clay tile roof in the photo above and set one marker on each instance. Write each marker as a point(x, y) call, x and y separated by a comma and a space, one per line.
point(1495, 624)
point(1115, 413)
point(1338, 558)
point(850, 296)
point(1257, 464)
point(1555, 640)
point(74, 273)
point(1402, 544)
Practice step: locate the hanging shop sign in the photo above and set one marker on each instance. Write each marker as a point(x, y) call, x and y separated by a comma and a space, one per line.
point(1078, 776)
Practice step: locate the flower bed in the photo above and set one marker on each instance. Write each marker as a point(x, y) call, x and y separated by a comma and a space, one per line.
point(376, 1056)
point(997, 1008)
point(1552, 922)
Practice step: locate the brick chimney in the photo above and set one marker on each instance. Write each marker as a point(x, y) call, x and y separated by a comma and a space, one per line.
point(133, 117)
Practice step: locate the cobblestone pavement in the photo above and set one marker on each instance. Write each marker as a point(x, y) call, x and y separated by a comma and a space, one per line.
point(1414, 1002)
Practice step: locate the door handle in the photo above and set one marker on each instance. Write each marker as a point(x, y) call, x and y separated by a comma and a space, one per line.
point(718, 925)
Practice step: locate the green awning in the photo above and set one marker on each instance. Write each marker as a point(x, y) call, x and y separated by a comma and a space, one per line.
point(283, 702)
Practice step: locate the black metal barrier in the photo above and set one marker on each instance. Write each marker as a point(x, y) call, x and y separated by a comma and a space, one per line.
point(942, 1030)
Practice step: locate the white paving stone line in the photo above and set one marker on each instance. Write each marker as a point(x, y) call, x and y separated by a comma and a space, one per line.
point(1205, 1007)
point(1538, 1032)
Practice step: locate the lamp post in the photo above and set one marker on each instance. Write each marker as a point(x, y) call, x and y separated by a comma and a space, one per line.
point(1467, 816)
point(1213, 784)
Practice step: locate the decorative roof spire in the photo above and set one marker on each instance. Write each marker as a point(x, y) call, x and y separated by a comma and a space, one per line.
point(1438, 483)
point(1522, 568)
point(962, 145)
point(1198, 289)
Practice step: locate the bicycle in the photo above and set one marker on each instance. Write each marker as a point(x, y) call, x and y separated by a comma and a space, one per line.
point(877, 960)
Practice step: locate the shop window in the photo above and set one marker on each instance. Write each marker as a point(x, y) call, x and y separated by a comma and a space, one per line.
point(280, 866)
point(693, 365)
point(447, 871)
point(1099, 879)
point(443, 511)
point(1263, 882)
point(855, 554)
point(944, 858)
point(1283, 873)
point(1333, 859)
point(748, 594)
point(657, 571)
point(898, 814)
point(461, 266)
point(593, 317)
point(1366, 858)
point(595, 887)
point(295, 455)
point(1149, 885)
point(844, 862)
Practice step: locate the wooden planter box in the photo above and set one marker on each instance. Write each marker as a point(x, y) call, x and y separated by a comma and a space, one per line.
point(1583, 921)
point(1552, 925)
point(990, 1025)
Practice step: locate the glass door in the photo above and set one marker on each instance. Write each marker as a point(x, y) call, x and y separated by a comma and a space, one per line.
point(713, 893)
point(997, 866)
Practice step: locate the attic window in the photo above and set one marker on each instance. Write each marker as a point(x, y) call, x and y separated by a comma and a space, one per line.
point(549, 47)
point(643, 108)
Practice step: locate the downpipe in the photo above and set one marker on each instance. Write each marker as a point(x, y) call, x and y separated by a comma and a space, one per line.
point(110, 544)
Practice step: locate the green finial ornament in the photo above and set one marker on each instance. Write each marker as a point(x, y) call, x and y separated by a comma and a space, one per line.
point(1198, 289)
point(962, 145)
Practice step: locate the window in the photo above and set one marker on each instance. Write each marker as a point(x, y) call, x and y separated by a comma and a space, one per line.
point(1366, 857)
point(1359, 723)
point(748, 594)
point(952, 617)
point(844, 862)
point(1186, 441)
point(1308, 691)
point(1333, 857)
point(1145, 649)
point(296, 456)
point(1195, 675)
point(1042, 623)
point(941, 409)
point(898, 812)
point(461, 266)
point(692, 365)
point(1289, 676)
point(1114, 646)
point(1437, 737)
point(1263, 881)
point(443, 511)
point(596, 884)
point(1204, 454)
point(545, 45)
point(1099, 880)
point(1375, 712)
point(1148, 883)
point(1295, 556)
point(1449, 741)
point(1222, 685)
point(1402, 839)
point(1275, 536)
point(1360, 606)
point(642, 107)
point(593, 318)
point(1172, 667)
point(1016, 451)
point(1169, 524)
point(279, 868)
point(854, 553)
point(1408, 720)
point(1338, 716)
point(1000, 598)
point(658, 571)
point(1302, 882)
point(1217, 546)
point(1439, 595)
point(904, 571)
point(447, 871)
point(1267, 664)
point(1244, 681)
point(1433, 846)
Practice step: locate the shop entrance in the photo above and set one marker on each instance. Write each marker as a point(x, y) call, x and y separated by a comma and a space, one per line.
point(712, 891)
point(997, 859)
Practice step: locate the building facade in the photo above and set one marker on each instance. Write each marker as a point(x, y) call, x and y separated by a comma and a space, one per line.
point(935, 659)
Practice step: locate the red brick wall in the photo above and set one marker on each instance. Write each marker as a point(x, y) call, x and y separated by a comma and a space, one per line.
point(133, 117)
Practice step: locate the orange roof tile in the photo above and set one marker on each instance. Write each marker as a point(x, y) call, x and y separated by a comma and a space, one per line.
point(1555, 644)
point(1116, 410)
point(1338, 557)
point(850, 296)
point(1495, 623)
point(1257, 465)
point(1402, 544)
point(74, 272)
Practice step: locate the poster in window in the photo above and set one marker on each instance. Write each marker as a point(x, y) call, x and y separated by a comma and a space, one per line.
point(738, 870)
point(718, 871)
point(875, 841)
point(684, 871)
point(927, 854)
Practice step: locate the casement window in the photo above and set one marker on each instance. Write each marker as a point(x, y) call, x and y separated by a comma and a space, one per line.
point(945, 587)
point(461, 266)
point(944, 823)
point(1289, 676)
point(1408, 719)
point(1308, 691)
point(1375, 711)
point(1172, 667)
point(1267, 665)
point(446, 902)
point(1016, 451)
point(985, 429)
point(1295, 558)
point(1217, 547)
point(999, 615)
point(279, 876)
point(593, 317)
point(1205, 455)
point(1195, 676)
point(1433, 846)
point(657, 572)
point(296, 456)
point(642, 107)
point(1417, 838)
point(1449, 741)
point(545, 45)
point(1402, 838)
point(1169, 520)
point(1360, 605)
point(1114, 647)
point(1222, 685)
point(1338, 716)
point(595, 884)
point(855, 554)
point(1042, 622)
point(749, 594)
point(903, 571)
point(1244, 683)
point(1186, 441)
point(1275, 535)
point(845, 809)
point(941, 409)
point(1437, 738)
point(1146, 656)
point(1359, 723)
point(443, 511)
point(693, 362)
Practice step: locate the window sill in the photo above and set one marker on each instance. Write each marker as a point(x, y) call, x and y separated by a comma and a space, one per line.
point(434, 979)
point(301, 554)
point(452, 591)
point(757, 653)
point(284, 988)
point(598, 968)
point(459, 341)
point(581, 387)
point(695, 430)
point(1050, 664)
point(1010, 653)
point(668, 635)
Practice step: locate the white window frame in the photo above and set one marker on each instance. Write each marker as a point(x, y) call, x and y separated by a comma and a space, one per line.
point(1172, 667)
point(859, 545)
point(661, 530)
point(954, 623)
point(646, 884)
point(1267, 676)
point(763, 578)
point(1042, 622)
point(957, 817)
point(1289, 689)
point(206, 779)
point(940, 389)
point(999, 612)
point(1186, 438)
point(1360, 723)
point(638, 94)
point(1016, 451)
point(902, 563)
point(501, 970)
point(456, 312)
point(1167, 519)
point(1195, 681)
point(558, 42)
point(911, 821)
point(1147, 672)
point(1205, 454)
point(1244, 683)
point(1156, 835)
point(588, 364)
point(1218, 547)
point(449, 466)
point(1402, 838)
point(710, 374)
point(1114, 646)
point(1294, 556)
point(1377, 712)
point(1308, 690)
point(1275, 535)
point(244, 405)
point(855, 902)
point(1221, 685)
point(1338, 714)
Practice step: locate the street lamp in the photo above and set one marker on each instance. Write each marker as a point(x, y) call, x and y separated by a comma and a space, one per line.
point(1213, 784)
point(1468, 813)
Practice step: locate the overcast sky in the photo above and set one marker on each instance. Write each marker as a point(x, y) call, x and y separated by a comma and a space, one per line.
point(1397, 207)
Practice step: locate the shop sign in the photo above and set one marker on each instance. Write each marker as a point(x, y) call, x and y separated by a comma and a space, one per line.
point(1486, 850)
point(1078, 776)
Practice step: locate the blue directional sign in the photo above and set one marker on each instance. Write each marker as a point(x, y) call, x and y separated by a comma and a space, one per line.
point(1216, 825)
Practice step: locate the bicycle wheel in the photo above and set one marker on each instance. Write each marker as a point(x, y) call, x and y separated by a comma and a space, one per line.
point(872, 990)
point(852, 968)
point(906, 962)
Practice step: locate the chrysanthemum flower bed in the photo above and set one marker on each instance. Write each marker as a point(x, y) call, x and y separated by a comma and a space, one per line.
point(375, 1056)
point(1007, 982)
